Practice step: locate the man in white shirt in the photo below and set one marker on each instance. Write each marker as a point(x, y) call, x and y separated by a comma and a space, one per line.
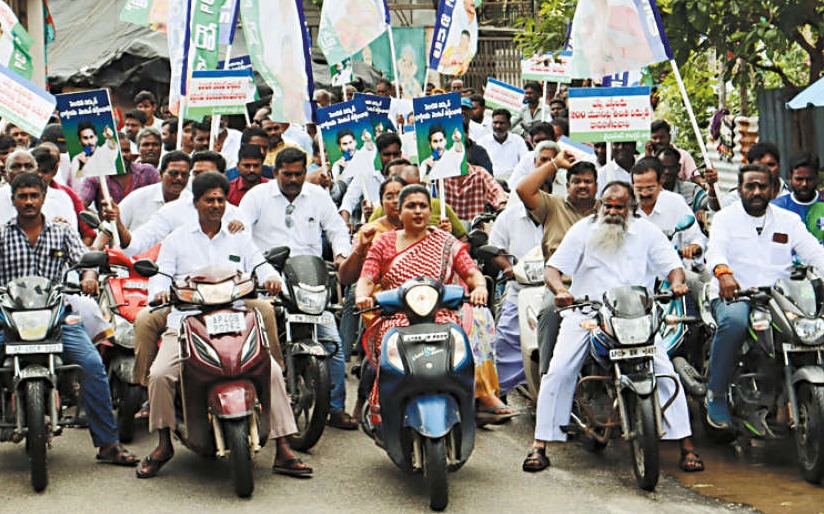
point(141, 204)
point(666, 209)
point(474, 130)
point(146, 103)
point(504, 147)
point(57, 205)
point(289, 212)
point(623, 158)
point(516, 233)
point(208, 242)
point(539, 132)
point(600, 252)
point(751, 244)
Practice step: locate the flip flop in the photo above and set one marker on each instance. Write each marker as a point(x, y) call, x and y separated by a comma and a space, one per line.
point(118, 455)
point(495, 415)
point(690, 461)
point(536, 460)
point(151, 465)
point(290, 468)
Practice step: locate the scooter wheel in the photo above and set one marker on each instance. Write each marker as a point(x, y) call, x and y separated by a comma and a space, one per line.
point(236, 434)
point(434, 469)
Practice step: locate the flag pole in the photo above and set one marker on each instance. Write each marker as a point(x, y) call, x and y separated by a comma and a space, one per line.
point(396, 82)
point(213, 131)
point(322, 150)
point(543, 100)
point(693, 121)
point(442, 197)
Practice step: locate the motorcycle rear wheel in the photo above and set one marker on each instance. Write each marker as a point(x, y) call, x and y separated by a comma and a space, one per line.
point(809, 434)
point(310, 401)
point(644, 441)
point(434, 469)
point(37, 436)
point(236, 435)
point(130, 403)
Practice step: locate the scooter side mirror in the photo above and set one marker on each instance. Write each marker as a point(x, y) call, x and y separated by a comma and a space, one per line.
point(146, 268)
point(277, 256)
point(90, 218)
point(94, 260)
point(490, 251)
point(685, 222)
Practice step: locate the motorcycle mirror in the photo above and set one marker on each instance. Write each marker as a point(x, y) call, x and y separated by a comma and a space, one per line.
point(490, 251)
point(277, 256)
point(90, 218)
point(686, 221)
point(477, 238)
point(146, 268)
point(93, 260)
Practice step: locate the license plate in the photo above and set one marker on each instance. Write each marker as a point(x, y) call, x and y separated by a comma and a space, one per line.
point(135, 284)
point(324, 319)
point(28, 349)
point(618, 354)
point(801, 348)
point(225, 322)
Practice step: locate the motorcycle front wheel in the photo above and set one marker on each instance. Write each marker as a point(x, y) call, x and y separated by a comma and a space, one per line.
point(37, 437)
point(236, 434)
point(434, 469)
point(809, 434)
point(310, 401)
point(643, 440)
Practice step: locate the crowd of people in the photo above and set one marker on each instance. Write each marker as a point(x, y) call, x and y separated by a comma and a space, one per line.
point(599, 225)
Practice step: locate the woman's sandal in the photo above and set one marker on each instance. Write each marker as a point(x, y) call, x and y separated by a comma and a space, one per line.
point(149, 467)
point(536, 460)
point(690, 461)
point(293, 467)
point(117, 455)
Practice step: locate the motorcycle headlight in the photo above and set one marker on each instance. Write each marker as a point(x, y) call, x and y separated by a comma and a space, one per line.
point(32, 325)
point(311, 299)
point(459, 353)
point(422, 299)
point(249, 346)
point(392, 353)
point(534, 272)
point(631, 331)
point(123, 331)
point(215, 294)
point(809, 330)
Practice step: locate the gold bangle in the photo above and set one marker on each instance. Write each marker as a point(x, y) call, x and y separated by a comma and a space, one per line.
point(553, 163)
point(722, 269)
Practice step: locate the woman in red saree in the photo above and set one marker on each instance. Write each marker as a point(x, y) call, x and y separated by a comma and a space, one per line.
point(417, 250)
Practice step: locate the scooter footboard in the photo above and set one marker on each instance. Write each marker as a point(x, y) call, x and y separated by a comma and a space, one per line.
point(433, 415)
point(230, 400)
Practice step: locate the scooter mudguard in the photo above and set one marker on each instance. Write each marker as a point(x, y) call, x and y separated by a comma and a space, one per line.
point(123, 368)
point(809, 374)
point(433, 415)
point(230, 400)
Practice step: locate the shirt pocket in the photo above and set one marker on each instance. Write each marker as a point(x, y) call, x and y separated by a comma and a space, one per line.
point(780, 254)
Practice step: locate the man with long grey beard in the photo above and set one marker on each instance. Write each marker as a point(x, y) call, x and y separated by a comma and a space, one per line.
point(609, 249)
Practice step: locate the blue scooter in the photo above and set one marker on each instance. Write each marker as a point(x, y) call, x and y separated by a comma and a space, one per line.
point(427, 386)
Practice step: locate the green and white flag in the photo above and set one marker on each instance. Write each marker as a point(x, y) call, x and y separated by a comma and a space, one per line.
point(15, 43)
point(205, 34)
point(347, 26)
point(281, 56)
point(146, 13)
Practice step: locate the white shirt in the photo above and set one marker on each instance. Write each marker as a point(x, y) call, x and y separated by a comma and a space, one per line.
point(171, 216)
point(354, 192)
point(759, 260)
point(609, 172)
point(516, 233)
point(669, 209)
point(504, 156)
point(646, 254)
point(58, 204)
point(314, 213)
point(297, 134)
point(526, 166)
point(140, 205)
point(188, 249)
point(477, 131)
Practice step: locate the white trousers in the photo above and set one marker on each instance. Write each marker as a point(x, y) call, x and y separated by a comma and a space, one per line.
point(558, 385)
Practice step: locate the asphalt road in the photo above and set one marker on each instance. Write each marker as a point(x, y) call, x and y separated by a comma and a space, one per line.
point(352, 475)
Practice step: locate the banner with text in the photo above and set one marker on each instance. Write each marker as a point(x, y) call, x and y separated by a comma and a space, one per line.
point(499, 94)
point(348, 138)
point(547, 67)
point(440, 136)
point(214, 92)
point(607, 114)
point(23, 103)
point(91, 133)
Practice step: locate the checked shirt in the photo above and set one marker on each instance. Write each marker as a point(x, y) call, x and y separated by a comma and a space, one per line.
point(57, 247)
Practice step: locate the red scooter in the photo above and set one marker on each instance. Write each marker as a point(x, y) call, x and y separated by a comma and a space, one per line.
point(123, 293)
point(224, 387)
